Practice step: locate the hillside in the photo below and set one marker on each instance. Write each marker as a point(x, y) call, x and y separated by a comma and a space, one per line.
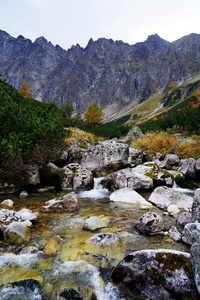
point(114, 74)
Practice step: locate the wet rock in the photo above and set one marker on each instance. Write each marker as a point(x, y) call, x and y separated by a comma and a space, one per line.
point(195, 260)
point(175, 234)
point(106, 157)
point(17, 233)
point(75, 177)
point(23, 195)
point(103, 239)
point(67, 203)
point(7, 215)
point(8, 202)
point(128, 195)
point(149, 223)
point(155, 274)
point(198, 166)
point(127, 178)
point(196, 206)
point(173, 209)
point(184, 218)
point(93, 223)
point(188, 167)
point(79, 293)
point(163, 197)
point(52, 246)
point(171, 160)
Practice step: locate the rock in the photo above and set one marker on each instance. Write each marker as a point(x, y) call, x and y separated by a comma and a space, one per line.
point(173, 209)
point(198, 166)
point(8, 202)
point(68, 203)
point(52, 246)
point(7, 215)
point(135, 156)
point(171, 160)
point(128, 195)
point(49, 174)
point(155, 274)
point(23, 195)
point(103, 239)
point(191, 233)
point(196, 206)
point(163, 197)
point(106, 157)
point(32, 175)
point(149, 223)
point(93, 223)
point(80, 293)
point(188, 167)
point(8, 188)
point(175, 234)
point(133, 134)
point(195, 260)
point(184, 218)
point(127, 178)
point(17, 233)
point(75, 177)
point(25, 214)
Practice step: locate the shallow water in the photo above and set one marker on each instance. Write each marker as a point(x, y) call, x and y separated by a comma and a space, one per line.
point(77, 263)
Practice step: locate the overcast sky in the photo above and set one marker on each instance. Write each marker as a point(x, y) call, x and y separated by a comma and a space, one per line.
point(71, 22)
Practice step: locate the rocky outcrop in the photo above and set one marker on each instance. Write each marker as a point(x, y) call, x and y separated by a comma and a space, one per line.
point(107, 71)
point(156, 274)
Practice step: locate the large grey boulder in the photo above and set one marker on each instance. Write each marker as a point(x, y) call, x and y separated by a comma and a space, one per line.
point(75, 177)
point(128, 178)
point(163, 197)
point(68, 203)
point(17, 232)
point(184, 218)
point(128, 195)
point(195, 260)
point(191, 233)
point(196, 206)
point(106, 157)
point(171, 160)
point(25, 214)
point(188, 167)
point(150, 223)
point(156, 274)
point(133, 134)
point(93, 223)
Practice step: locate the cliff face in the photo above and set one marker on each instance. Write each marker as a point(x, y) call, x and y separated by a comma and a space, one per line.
point(105, 72)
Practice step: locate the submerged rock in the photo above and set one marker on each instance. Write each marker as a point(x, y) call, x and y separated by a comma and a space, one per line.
point(156, 274)
point(103, 239)
point(93, 223)
point(149, 223)
point(52, 245)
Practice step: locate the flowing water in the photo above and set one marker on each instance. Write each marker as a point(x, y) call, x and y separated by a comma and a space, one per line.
point(31, 273)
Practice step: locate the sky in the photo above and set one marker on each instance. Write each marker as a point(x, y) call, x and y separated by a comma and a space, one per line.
point(71, 22)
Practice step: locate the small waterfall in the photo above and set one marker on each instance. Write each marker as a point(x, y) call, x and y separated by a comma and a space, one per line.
point(98, 191)
point(182, 190)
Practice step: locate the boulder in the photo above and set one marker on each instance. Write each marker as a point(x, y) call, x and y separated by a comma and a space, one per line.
point(75, 177)
point(156, 274)
point(191, 233)
point(32, 175)
point(93, 223)
point(25, 214)
point(173, 209)
point(188, 167)
point(127, 178)
point(23, 195)
point(68, 203)
point(103, 239)
point(198, 166)
point(150, 223)
point(195, 260)
point(171, 160)
point(52, 246)
point(128, 195)
point(163, 197)
point(106, 157)
point(196, 206)
point(184, 218)
point(17, 233)
point(133, 134)
point(7, 215)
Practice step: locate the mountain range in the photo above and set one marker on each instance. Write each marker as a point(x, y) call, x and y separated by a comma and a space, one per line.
point(111, 73)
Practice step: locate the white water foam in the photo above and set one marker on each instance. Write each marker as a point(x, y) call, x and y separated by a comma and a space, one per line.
point(98, 191)
point(23, 260)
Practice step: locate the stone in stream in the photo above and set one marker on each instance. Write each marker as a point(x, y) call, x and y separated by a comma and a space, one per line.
point(196, 206)
point(23, 195)
point(175, 234)
point(150, 223)
point(156, 274)
point(128, 195)
point(8, 202)
point(188, 167)
point(93, 223)
point(68, 203)
point(103, 239)
point(184, 218)
point(163, 197)
point(17, 232)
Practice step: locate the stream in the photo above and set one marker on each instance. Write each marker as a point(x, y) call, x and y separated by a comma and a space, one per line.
point(31, 274)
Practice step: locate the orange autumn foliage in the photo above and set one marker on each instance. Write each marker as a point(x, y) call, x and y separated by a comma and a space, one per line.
point(93, 115)
point(25, 91)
